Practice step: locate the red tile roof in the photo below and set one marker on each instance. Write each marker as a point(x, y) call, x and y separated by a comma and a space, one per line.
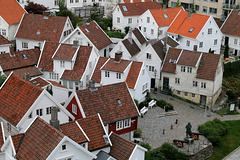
point(158, 47)
point(56, 84)
point(19, 59)
point(96, 35)
point(16, 140)
point(17, 96)
point(79, 66)
point(4, 40)
point(46, 61)
point(72, 130)
point(65, 52)
point(97, 72)
point(138, 8)
point(134, 1)
point(11, 11)
point(104, 101)
point(121, 148)
point(182, 24)
point(139, 36)
point(133, 74)
point(39, 141)
point(172, 54)
point(40, 82)
point(112, 65)
point(171, 13)
point(232, 24)
point(132, 48)
point(50, 29)
point(32, 70)
point(189, 58)
point(93, 128)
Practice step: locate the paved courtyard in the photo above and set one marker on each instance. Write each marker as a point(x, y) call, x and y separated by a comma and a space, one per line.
point(152, 124)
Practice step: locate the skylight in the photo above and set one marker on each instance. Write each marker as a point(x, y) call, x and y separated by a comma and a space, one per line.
point(119, 102)
point(165, 16)
point(124, 8)
point(86, 30)
point(38, 32)
point(24, 56)
point(190, 31)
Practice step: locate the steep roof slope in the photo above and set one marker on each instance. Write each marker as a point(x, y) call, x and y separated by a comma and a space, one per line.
point(232, 24)
point(65, 52)
point(112, 65)
point(97, 72)
point(133, 74)
point(171, 55)
point(132, 47)
point(4, 40)
point(139, 36)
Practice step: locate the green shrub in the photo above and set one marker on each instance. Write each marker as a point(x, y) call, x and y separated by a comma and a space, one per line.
point(136, 102)
point(161, 103)
point(231, 95)
point(155, 154)
point(146, 145)
point(115, 34)
point(137, 133)
point(142, 104)
point(214, 130)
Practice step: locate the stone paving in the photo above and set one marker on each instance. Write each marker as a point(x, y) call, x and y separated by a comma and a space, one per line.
point(152, 124)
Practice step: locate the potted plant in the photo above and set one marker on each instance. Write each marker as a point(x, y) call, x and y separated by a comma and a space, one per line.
point(137, 135)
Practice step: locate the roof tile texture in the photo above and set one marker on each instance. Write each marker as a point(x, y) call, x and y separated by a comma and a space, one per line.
point(158, 47)
point(232, 24)
point(133, 74)
point(65, 52)
point(32, 70)
point(104, 102)
point(189, 58)
point(139, 36)
point(132, 48)
point(112, 65)
point(39, 82)
point(4, 40)
point(50, 28)
point(17, 96)
point(172, 54)
point(96, 35)
point(97, 72)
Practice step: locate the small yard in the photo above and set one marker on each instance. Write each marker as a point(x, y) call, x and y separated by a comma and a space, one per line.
point(229, 142)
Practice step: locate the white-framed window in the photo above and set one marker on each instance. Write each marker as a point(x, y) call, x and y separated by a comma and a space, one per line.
point(189, 69)
point(76, 86)
point(118, 75)
point(4, 32)
point(185, 93)
point(129, 20)
point(39, 112)
point(48, 110)
point(71, 1)
point(151, 68)
point(70, 84)
point(107, 74)
point(148, 19)
point(235, 41)
point(65, 83)
point(127, 123)
point(188, 43)
point(195, 83)
point(209, 30)
point(213, 10)
point(76, 1)
point(160, 32)
point(193, 95)
point(53, 75)
point(152, 31)
point(203, 85)
point(204, 9)
point(118, 19)
point(74, 109)
point(177, 80)
point(9, 127)
point(24, 45)
point(119, 125)
point(215, 42)
point(64, 147)
point(62, 63)
point(200, 44)
point(149, 56)
point(55, 2)
point(182, 68)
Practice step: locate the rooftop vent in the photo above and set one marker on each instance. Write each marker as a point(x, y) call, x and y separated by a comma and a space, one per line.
point(190, 31)
point(38, 32)
point(124, 8)
point(55, 30)
point(38, 84)
point(92, 86)
point(34, 82)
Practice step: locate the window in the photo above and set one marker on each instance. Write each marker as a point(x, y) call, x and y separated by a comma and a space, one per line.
point(53, 75)
point(144, 87)
point(151, 68)
point(213, 10)
point(149, 56)
point(70, 85)
point(177, 80)
point(195, 83)
point(65, 83)
point(148, 19)
point(188, 43)
point(62, 63)
point(24, 45)
point(64, 147)
point(196, 7)
point(178, 92)
point(173, 4)
point(127, 123)
point(30, 115)
point(118, 19)
point(144, 29)
point(214, 0)
point(203, 85)
point(76, 86)
point(215, 42)
point(119, 125)
point(71, 1)
point(76, 1)
point(129, 20)
point(39, 112)
point(119, 102)
point(204, 9)
point(106, 73)
point(48, 110)
point(210, 31)
point(152, 31)
point(55, 2)
point(200, 44)
point(160, 32)
point(185, 93)
point(4, 32)
point(236, 41)
point(189, 69)
point(143, 72)
point(182, 68)
point(193, 95)
point(74, 109)
point(191, 29)
point(118, 75)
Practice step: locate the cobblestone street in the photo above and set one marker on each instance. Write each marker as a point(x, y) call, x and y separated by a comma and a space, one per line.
point(152, 124)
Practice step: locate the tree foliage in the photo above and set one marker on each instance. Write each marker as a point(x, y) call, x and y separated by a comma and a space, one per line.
point(35, 8)
point(231, 69)
point(2, 78)
point(178, 4)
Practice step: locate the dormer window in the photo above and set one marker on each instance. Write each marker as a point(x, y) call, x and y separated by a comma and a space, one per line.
point(124, 8)
point(119, 102)
point(74, 109)
point(38, 32)
point(62, 64)
point(189, 70)
point(182, 68)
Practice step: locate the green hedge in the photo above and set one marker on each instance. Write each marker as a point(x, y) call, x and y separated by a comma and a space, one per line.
point(231, 68)
point(115, 34)
point(161, 103)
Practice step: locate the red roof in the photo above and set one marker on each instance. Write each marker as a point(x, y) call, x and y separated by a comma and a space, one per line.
point(134, 1)
point(38, 141)
point(97, 72)
point(173, 55)
point(56, 84)
point(138, 8)
point(232, 24)
point(114, 66)
point(11, 11)
point(170, 13)
point(121, 148)
point(46, 61)
point(4, 40)
point(17, 96)
point(182, 24)
point(72, 130)
point(40, 27)
point(39, 81)
point(189, 58)
point(132, 48)
point(139, 36)
point(96, 35)
point(80, 64)
point(93, 128)
point(65, 52)
point(133, 74)
point(104, 101)
point(31, 70)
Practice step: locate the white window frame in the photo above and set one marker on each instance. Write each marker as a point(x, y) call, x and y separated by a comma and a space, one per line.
point(129, 20)
point(119, 125)
point(118, 20)
point(118, 75)
point(200, 44)
point(177, 80)
point(62, 64)
point(148, 19)
point(48, 110)
point(149, 56)
point(215, 42)
point(210, 31)
point(107, 74)
point(188, 43)
point(127, 123)
point(74, 109)
point(39, 112)
point(24, 45)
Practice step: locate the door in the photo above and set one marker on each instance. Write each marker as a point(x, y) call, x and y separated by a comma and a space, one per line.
point(165, 84)
point(235, 52)
point(203, 100)
point(152, 82)
point(226, 40)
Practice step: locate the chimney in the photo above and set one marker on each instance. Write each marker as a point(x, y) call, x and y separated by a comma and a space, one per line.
point(92, 84)
point(164, 7)
point(189, 13)
point(130, 35)
point(27, 76)
point(118, 56)
point(54, 118)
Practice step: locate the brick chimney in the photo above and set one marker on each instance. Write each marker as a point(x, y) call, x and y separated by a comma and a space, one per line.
point(92, 84)
point(118, 56)
point(27, 76)
point(164, 7)
point(54, 118)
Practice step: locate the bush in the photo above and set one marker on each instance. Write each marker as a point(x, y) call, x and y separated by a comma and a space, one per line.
point(154, 155)
point(231, 95)
point(214, 130)
point(137, 133)
point(142, 104)
point(115, 34)
point(146, 145)
point(161, 103)
point(136, 102)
